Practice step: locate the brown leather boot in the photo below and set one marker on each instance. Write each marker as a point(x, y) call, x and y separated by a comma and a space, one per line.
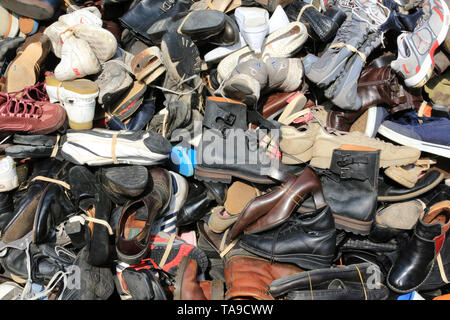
point(258, 216)
point(250, 277)
point(376, 86)
point(188, 288)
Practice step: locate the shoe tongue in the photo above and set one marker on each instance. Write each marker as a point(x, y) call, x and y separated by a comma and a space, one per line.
point(336, 284)
point(403, 48)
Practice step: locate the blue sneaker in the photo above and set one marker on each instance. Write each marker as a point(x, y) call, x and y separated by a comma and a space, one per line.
point(427, 134)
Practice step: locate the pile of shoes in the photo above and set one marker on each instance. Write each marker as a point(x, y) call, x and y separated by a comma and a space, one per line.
point(224, 149)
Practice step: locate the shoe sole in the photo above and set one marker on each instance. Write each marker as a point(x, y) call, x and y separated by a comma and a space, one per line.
point(146, 62)
point(440, 150)
point(361, 123)
point(225, 176)
point(39, 10)
point(21, 72)
point(414, 194)
point(352, 225)
point(304, 261)
point(426, 69)
point(179, 278)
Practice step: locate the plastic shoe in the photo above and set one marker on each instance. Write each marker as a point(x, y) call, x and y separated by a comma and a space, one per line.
point(416, 50)
point(78, 97)
point(254, 26)
point(77, 60)
point(183, 160)
point(8, 174)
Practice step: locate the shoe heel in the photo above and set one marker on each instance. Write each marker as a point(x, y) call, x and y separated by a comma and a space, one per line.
point(81, 126)
point(352, 225)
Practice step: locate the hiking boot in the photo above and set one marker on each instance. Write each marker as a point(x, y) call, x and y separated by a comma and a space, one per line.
point(78, 97)
point(427, 134)
point(416, 50)
point(32, 117)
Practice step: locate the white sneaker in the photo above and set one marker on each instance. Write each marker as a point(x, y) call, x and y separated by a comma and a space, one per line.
point(102, 42)
point(78, 97)
point(8, 174)
point(77, 60)
point(253, 25)
point(88, 15)
point(57, 35)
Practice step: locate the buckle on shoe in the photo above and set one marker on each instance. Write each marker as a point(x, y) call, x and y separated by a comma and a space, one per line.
point(345, 160)
point(345, 173)
point(167, 5)
point(227, 117)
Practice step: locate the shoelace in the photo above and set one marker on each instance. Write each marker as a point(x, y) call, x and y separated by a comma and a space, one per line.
point(14, 107)
point(35, 92)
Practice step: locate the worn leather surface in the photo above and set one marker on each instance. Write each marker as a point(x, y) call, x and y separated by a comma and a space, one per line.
point(250, 277)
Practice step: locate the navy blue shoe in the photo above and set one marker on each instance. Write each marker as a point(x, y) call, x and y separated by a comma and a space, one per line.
point(429, 134)
point(138, 121)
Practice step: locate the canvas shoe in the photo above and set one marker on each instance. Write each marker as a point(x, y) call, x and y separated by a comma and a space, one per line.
point(8, 175)
point(99, 147)
point(416, 49)
point(78, 97)
point(102, 41)
point(428, 134)
point(77, 60)
point(408, 176)
point(57, 32)
point(253, 24)
point(89, 15)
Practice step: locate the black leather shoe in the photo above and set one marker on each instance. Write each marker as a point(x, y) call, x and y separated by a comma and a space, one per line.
point(416, 260)
point(6, 209)
point(390, 191)
point(307, 240)
point(144, 14)
point(8, 48)
point(95, 203)
point(53, 208)
point(361, 281)
point(323, 26)
point(201, 197)
point(435, 195)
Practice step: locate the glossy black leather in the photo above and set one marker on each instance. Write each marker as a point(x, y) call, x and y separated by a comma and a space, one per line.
point(324, 26)
point(143, 285)
point(415, 260)
point(6, 208)
point(387, 188)
point(88, 194)
point(199, 200)
point(350, 186)
point(435, 195)
point(146, 12)
point(307, 240)
point(53, 208)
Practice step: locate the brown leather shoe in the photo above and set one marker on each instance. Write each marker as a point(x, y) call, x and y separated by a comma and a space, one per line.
point(133, 231)
point(250, 277)
point(33, 117)
point(25, 69)
point(271, 209)
point(188, 288)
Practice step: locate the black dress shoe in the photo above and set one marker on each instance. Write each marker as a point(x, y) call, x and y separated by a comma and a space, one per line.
point(95, 203)
point(307, 240)
point(201, 197)
point(54, 207)
point(416, 260)
point(361, 281)
point(6, 209)
point(145, 13)
point(390, 191)
point(323, 26)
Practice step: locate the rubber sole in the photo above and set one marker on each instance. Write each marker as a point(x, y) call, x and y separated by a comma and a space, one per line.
point(179, 278)
point(226, 176)
point(352, 225)
point(440, 150)
point(39, 10)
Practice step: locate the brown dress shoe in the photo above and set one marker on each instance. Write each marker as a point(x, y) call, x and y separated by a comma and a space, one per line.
point(25, 69)
point(251, 277)
point(271, 209)
point(137, 217)
point(188, 288)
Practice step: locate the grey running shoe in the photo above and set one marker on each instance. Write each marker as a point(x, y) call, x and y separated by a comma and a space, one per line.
point(113, 82)
point(343, 92)
point(284, 74)
point(416, 49)
point(324, 70)
point(246, 81)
